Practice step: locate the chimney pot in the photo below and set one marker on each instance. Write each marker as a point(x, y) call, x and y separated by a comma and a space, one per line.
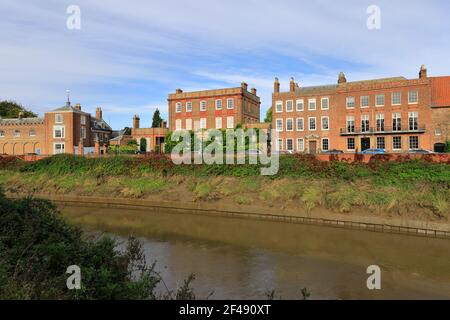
point(253, 90)
point(292, 85)
point(99, 113)
point(136, 122)
point(423, 72)
point(342, 78)
point(276, 86)
point(179, 91)
point(244, 86)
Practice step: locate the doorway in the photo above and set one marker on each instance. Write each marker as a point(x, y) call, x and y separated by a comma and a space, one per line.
point(313, 147)
point(365, 144)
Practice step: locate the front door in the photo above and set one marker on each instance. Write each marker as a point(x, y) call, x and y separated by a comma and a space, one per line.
point(365, 144)
point(313, 147)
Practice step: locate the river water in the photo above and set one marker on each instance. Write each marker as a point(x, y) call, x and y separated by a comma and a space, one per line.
point(244, 259)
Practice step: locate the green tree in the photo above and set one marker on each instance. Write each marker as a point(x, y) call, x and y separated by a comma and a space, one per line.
point(157, 120)
point(126, 131)
point(268, 118)
point(143, 145)
point(11, 109)
point(132, 142)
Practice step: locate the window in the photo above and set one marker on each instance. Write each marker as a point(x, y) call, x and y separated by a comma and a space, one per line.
point(379, 100)
point(188, 124)
point(219, 123)
point(83, 133)
point(58, 132)
point(219, 104)
point(350, 124)
point(178, 107)
point(300, 124)
point(300, 145)
point(350, 102)
point(325, 144)
point(2, 134)
point(381, 143)
point(289, 145)
point(83, 120)
point(396, 121)
point(178, 125)
point(289, 106)
point(413, 97)
point(202, 105)
point(32, 133)
point(350, 143)
point(365, 123)
point(188, 106)
point(59, 118)
point(16, 133)
point(396, 143)
point(300, 105)
point(325, 124)
point(413, 120)
point(279, 125)
point(280, 144)
point(324, 103)
point(279, 106)
point(312, 104)
point(364, 101)
point(202, 123)
point(58, 148)
point(396, 98)
point(230, 122)
point(289, 124)
point(230, 103)
point(312, 123)
point(380, 121)
point(413, 142)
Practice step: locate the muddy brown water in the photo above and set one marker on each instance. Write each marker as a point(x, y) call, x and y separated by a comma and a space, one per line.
point(243, 259)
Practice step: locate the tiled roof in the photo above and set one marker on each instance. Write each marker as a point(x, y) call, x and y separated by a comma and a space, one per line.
point(100, 124)
point(440, 91)
point(18, 121)
point(382, 80)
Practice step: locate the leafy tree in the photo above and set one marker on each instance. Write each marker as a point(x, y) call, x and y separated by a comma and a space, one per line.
point(268, 118)
point(126, 131)
point(157, 120)
point(11, 109)
point(132, 142)
point(143, 144)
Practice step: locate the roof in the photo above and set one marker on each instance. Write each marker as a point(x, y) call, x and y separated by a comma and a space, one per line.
point(22, 121)
point(68, 108)
point(99, 124)
point(440, 91)
point(392, 79)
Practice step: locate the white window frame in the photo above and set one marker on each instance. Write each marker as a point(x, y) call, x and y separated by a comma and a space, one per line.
point(302, 149)
point(409, 143)
point(83, 132)
point(384, 142)
point(292, 144)
point(63, 144)
point(218, 104)
point(230, 106)
point(362, 106)
point(83, 120)
point(203, 105)
point(328, 103)
point(292, 124)
point(16, 133)
point(303, 124)
point(178, 107)
point(328, 122)
point(189, 124)
point(300, 102)
point(290, 102)
point(309, 123)
point(178, 125)
point(414, 115)
point(392, 98)
point(218, 121)
point(376, 100)
point(278, 104)
point(409, 97)
point(59, 118)
point(279, 128)
point(203, 123)
point(62, 129)
point(230, 120)
point(393, 143)
point(189, 106)
point(347, 102)
point(328, 143)
point(279, 145)
point(354, 144)
point(314, 100)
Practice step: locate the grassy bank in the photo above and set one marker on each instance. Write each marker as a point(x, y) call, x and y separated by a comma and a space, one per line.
point(410, 188)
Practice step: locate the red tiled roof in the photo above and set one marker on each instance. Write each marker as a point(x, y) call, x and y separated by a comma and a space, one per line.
point(440, 91)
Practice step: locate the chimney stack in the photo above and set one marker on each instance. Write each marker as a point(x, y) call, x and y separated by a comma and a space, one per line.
point(136, 121)
point(342, 78)
point(244, 86)
point(253, 90)
point(78, 106)
point(99, 113)
point(276, 86)
point(178, 91)
point(423, 72)
point(292, 85)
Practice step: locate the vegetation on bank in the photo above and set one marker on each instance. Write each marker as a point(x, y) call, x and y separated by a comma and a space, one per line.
point(37, 246)
point(302, 182)
point(11, 110)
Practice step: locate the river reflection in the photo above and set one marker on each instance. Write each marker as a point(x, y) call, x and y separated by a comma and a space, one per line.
point(243, 259)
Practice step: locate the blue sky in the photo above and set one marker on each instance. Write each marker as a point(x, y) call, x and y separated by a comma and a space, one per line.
point(128, 55)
